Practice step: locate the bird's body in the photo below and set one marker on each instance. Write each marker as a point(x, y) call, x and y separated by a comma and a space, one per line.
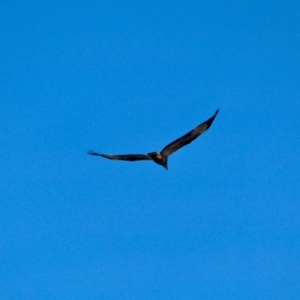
point(161, 158)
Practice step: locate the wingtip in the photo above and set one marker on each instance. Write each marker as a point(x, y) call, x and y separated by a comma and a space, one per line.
point(92, 152)
point(217, 111)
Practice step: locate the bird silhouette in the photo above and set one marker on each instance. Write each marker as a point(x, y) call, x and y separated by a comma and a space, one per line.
point(161, 157)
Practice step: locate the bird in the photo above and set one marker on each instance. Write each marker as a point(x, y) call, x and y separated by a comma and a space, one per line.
point(161, 158)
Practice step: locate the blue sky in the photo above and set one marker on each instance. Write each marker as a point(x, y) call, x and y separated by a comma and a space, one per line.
point(130, 77)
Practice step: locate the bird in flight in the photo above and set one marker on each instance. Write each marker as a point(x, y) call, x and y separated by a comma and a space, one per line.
point(161, 157)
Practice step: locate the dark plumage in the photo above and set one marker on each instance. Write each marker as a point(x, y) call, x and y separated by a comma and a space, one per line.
point(161, 158)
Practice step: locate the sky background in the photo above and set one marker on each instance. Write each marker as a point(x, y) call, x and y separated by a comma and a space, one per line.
point(130, 77)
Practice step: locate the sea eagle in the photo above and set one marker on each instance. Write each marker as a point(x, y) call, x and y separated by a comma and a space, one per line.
point(161, 157)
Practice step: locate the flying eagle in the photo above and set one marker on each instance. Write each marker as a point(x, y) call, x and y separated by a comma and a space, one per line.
point(161, 157)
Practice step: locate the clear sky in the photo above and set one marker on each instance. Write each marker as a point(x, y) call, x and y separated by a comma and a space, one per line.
point(130, 77)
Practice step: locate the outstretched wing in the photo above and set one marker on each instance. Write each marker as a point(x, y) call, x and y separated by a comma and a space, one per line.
point(188, 137)
point(128, 157)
